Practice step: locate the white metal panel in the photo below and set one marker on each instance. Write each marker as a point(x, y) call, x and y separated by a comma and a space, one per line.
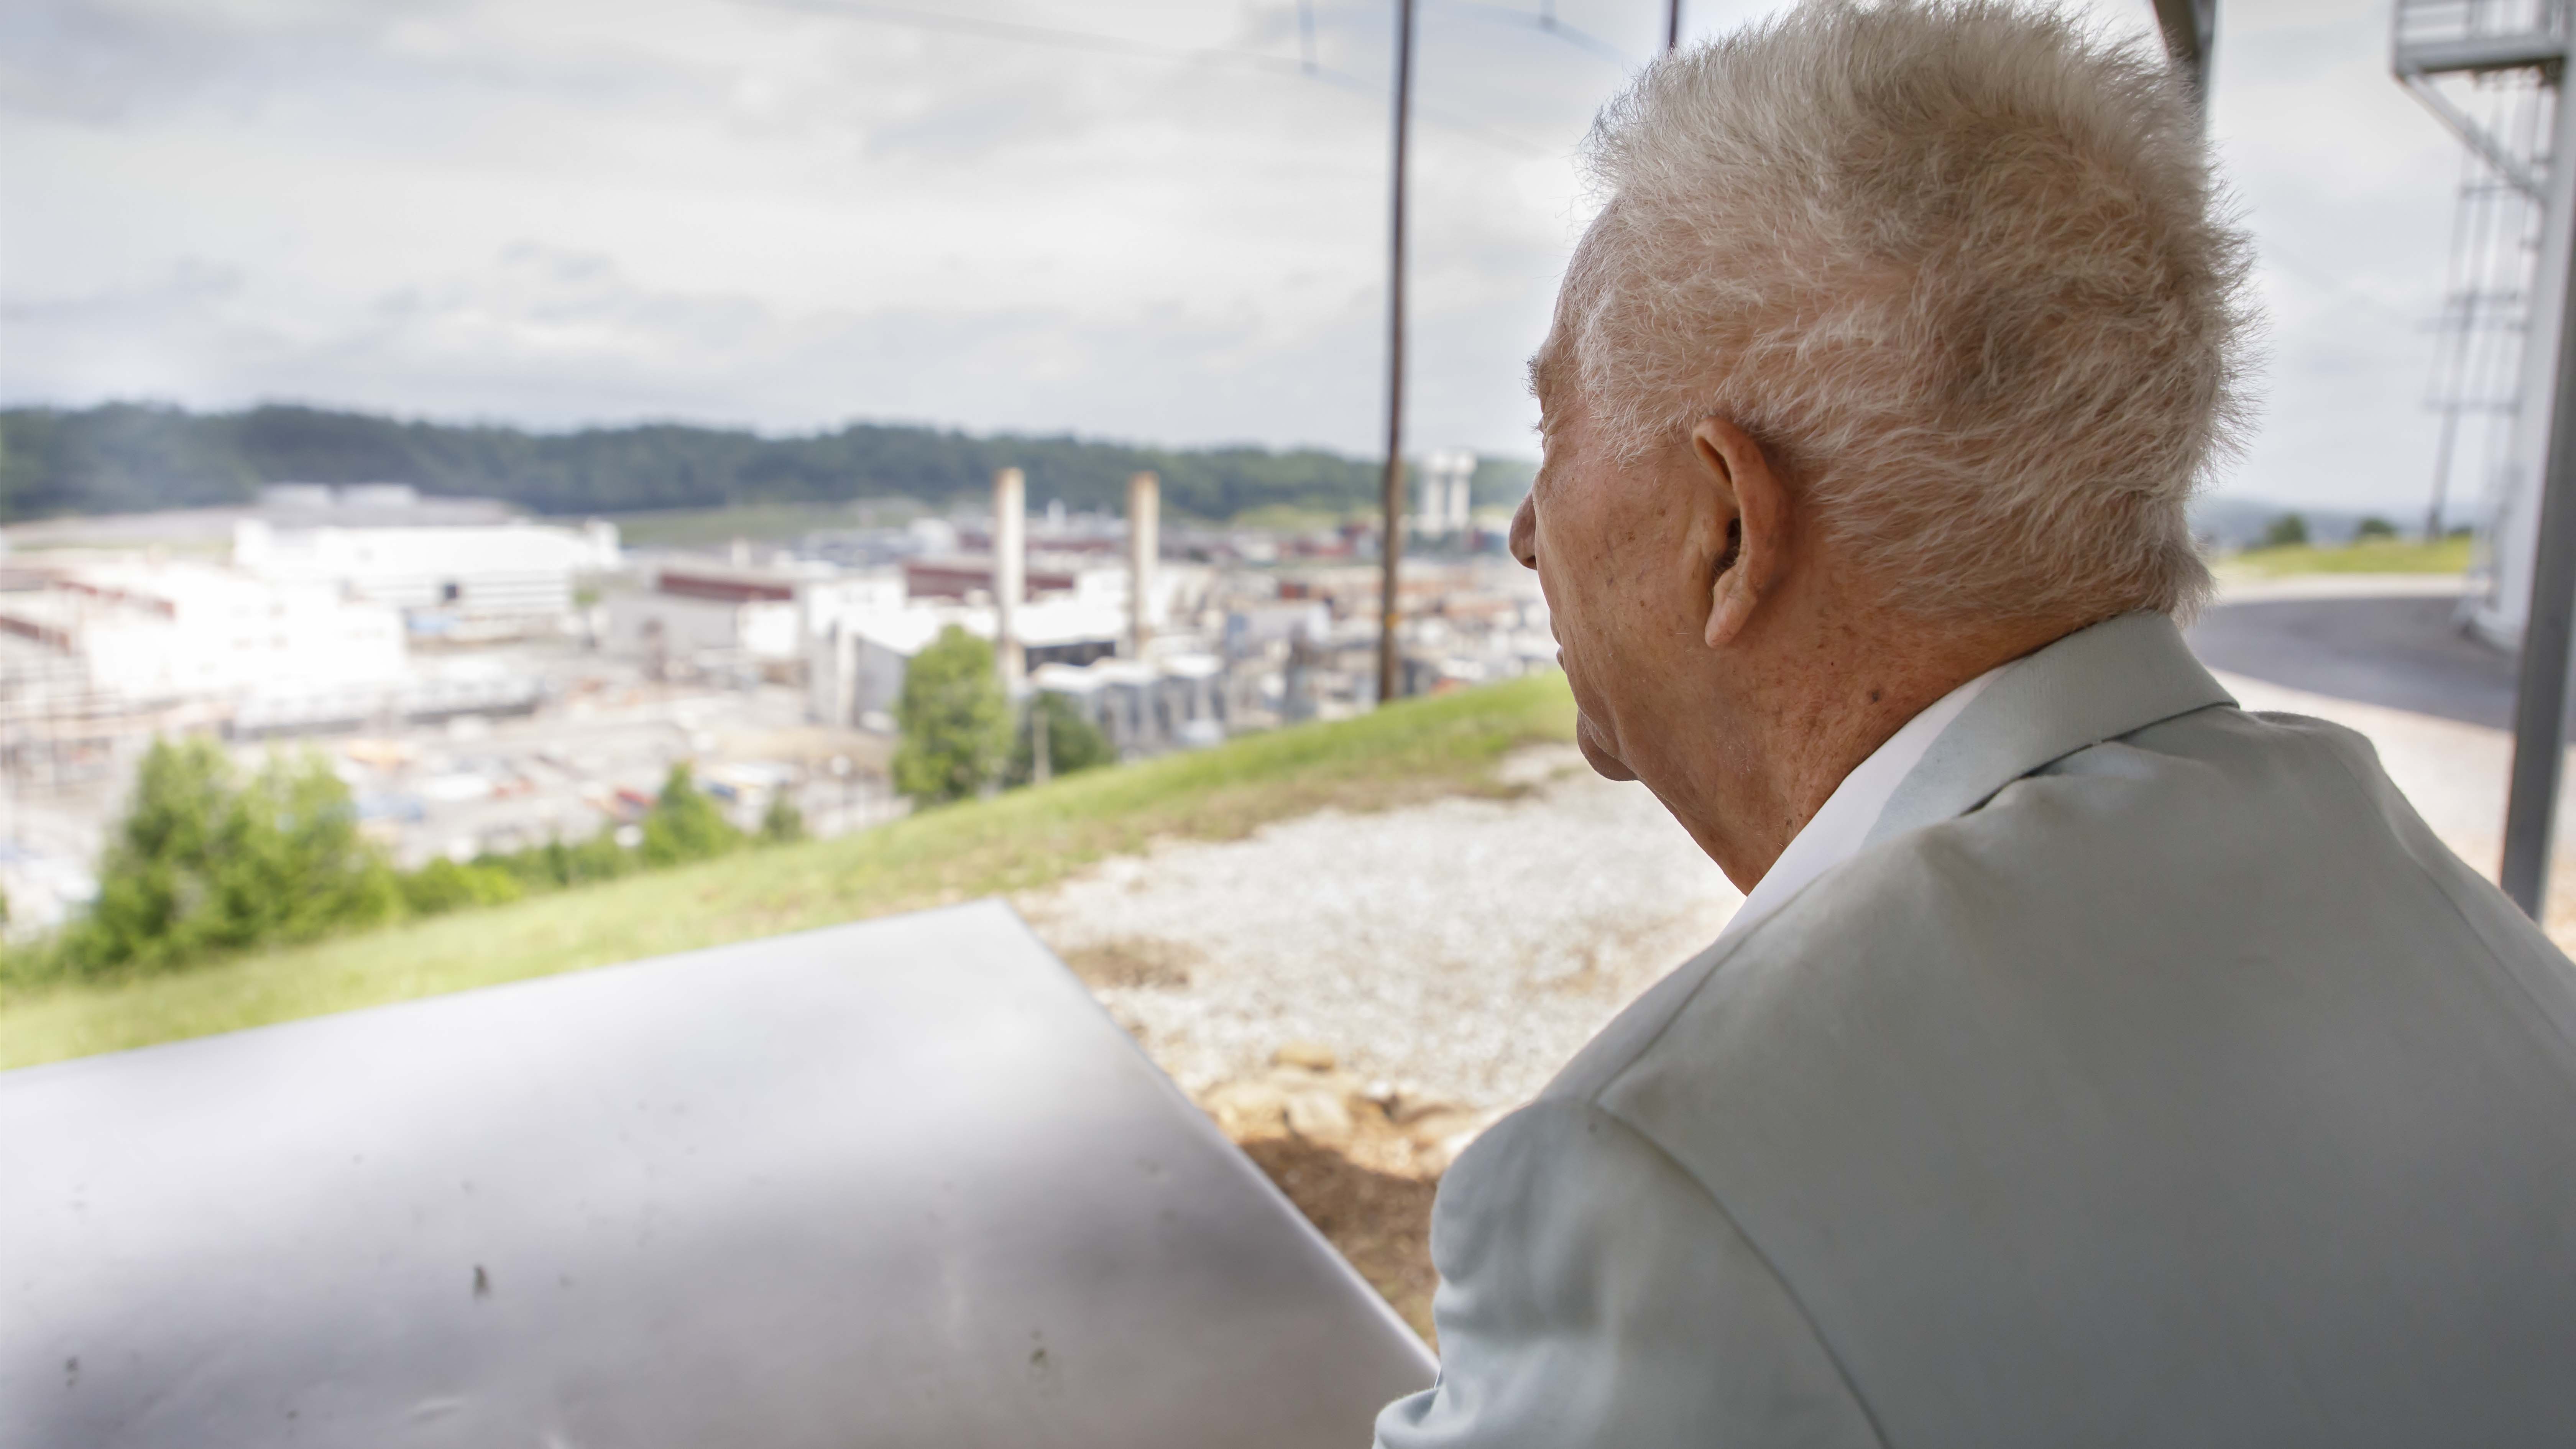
point(899, 1183)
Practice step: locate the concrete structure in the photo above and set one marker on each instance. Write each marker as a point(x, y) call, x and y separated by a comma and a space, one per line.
point(1444, 508)
point(1010, 569)
point(466, 580)
point(700, 615)
point(1144, 551)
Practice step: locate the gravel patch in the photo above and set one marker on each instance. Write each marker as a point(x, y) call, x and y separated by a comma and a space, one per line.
point(1465, 947)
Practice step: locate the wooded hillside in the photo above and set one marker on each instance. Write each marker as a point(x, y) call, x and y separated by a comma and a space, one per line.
point(125, 457)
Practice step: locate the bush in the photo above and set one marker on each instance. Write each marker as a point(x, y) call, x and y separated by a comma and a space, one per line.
point(782, 823)
point(202, 866)
point(2290, 530)
point(956, 722)
point(556, 865)
point(443, 885)
point(599, 857)
point(685, 825)
point(1074, 743)
point(2374, 526)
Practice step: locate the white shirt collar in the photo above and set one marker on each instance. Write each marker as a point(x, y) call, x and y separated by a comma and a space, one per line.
point(1838, 830)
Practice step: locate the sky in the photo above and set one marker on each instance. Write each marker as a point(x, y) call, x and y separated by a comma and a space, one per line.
point(1151, 220)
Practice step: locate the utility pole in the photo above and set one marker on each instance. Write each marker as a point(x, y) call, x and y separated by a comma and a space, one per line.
point(1390, 667)
point(1672, 25)
point(2190, 31)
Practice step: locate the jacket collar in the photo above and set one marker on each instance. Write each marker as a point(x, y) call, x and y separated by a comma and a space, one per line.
point(2097, 683)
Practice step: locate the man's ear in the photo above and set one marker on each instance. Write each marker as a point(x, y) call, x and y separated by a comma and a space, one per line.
point(1756, 552)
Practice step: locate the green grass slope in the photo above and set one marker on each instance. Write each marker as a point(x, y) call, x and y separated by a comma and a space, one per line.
point(1411, 751)
point(2366, 556)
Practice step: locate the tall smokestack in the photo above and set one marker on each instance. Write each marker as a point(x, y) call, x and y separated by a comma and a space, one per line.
point(1010, 569)
point(1144, 544)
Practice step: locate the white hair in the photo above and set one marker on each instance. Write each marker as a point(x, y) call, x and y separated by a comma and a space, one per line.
point(1958, 265)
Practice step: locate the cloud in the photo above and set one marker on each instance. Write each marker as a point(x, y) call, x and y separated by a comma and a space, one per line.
point(790, 213)
point(2347, 186)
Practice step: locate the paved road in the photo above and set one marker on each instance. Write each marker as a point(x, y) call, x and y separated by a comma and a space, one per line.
point(2403, 653)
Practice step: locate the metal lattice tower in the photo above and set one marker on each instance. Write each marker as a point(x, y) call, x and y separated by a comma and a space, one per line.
point(2491, 71)
point(2495, 242)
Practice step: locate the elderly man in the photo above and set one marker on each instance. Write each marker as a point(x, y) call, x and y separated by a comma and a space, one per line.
point(2091, 1062)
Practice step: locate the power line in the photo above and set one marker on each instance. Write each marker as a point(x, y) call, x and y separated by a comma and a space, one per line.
point(1547, 24)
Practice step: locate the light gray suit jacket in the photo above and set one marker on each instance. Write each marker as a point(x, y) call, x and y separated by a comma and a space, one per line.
point(2153, 1077)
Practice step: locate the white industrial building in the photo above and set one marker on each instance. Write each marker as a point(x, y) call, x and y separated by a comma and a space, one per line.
point(856, 663)
point(702, 615)
point(152, 632)
point(468, 580)
point(1142, 705)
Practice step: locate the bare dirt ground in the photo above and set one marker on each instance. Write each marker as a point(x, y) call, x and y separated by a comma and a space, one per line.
point(1354, 995)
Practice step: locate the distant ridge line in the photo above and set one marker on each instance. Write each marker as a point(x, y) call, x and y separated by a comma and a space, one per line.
point(138, 457)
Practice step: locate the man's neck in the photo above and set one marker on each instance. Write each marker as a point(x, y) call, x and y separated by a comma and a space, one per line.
point(1810, 726)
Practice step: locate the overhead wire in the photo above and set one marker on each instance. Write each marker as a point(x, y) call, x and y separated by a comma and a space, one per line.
point(1547, 23)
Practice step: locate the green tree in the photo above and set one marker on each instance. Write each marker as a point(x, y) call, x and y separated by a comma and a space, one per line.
point(302, 869)
point(782, 823)
point(2375, 527)
point(1073, 741)
point(157, 889)
point(2290, 530)
point(120, 457)
point(685, 825)
point(200, 865)
point(956, 721)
